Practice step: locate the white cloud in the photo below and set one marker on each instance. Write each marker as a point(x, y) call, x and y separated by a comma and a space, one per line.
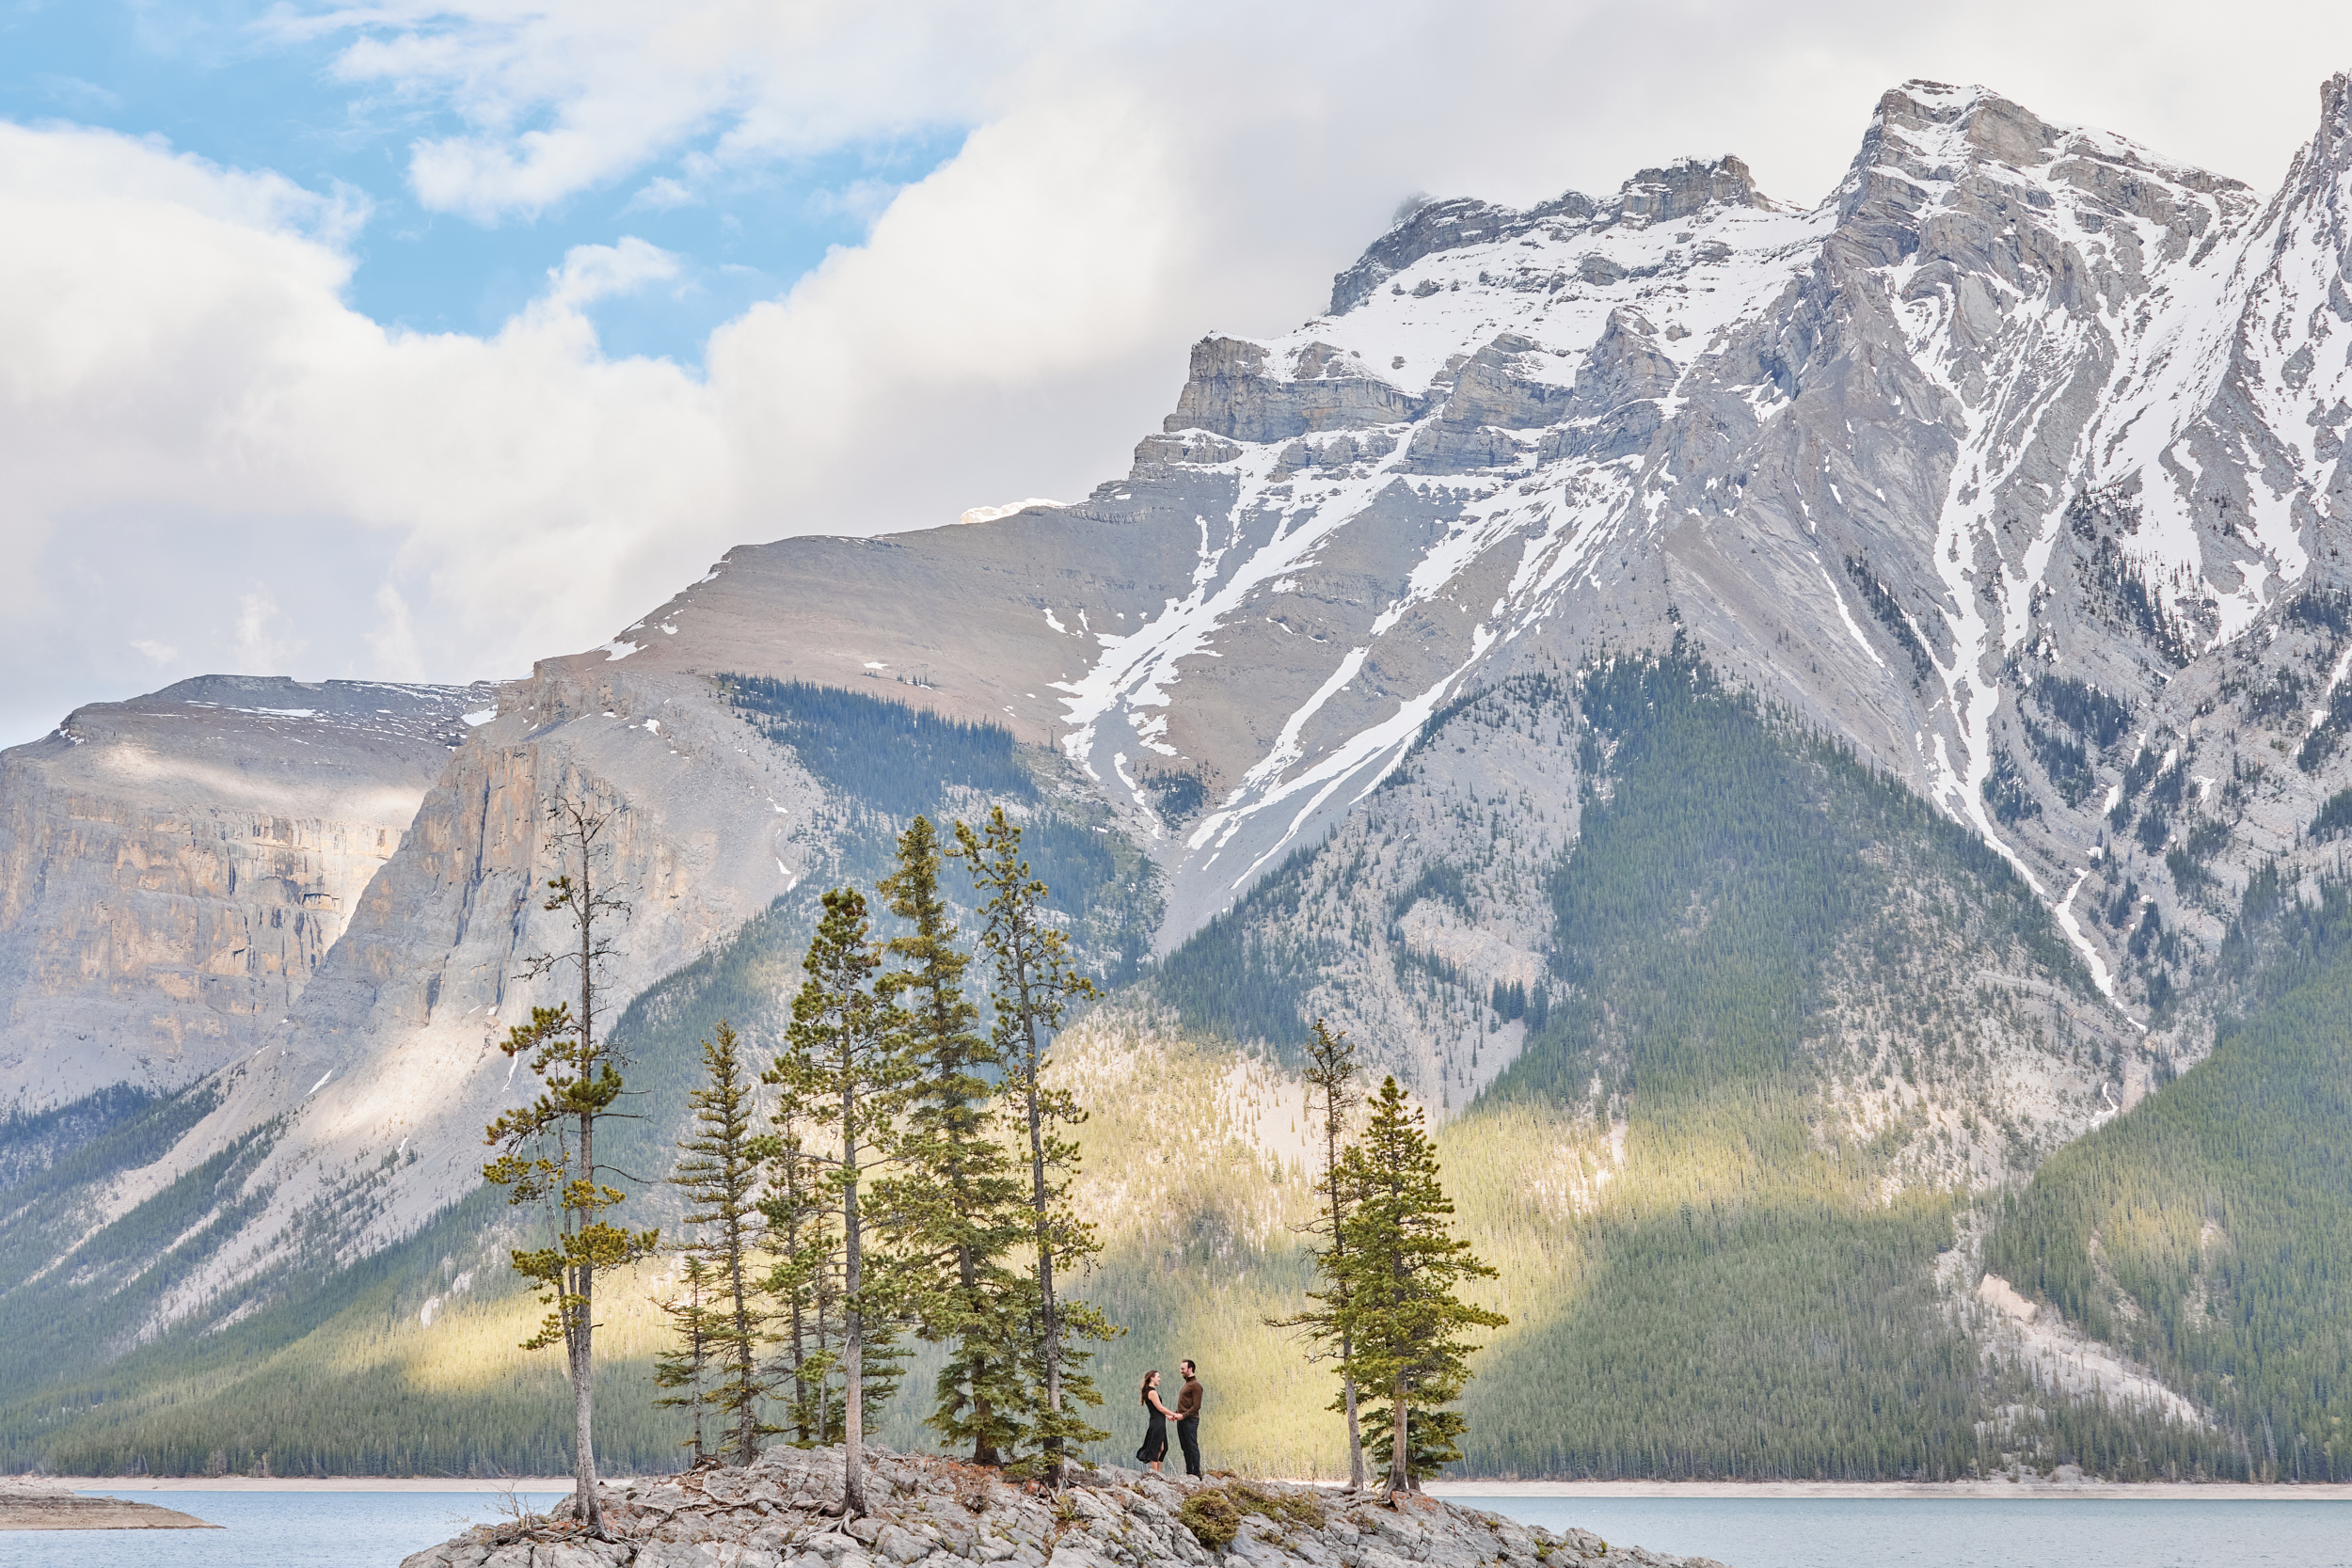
point(262, 647)
point(392, 643)
point(556, 98)
point(663, 194)
point(161, 653)
point(190, 414)
point(866, 200)
point(595, 272)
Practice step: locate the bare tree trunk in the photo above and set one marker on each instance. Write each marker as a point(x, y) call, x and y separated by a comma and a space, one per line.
point(800, 1373)
point(1355, 1433)
point(852, 1318)
point(746, 1368)
point(1400, 1472)
point(580, 1344)
point(585, 1505)
point(1339, 1218)
point(1050, 1337)
point(824, 1342)
point(983, 1452)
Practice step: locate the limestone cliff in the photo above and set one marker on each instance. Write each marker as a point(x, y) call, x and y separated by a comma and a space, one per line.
point(174, 868)
point(2014, 465)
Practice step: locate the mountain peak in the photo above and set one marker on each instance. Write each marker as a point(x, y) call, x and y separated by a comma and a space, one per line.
point(1686, 187)
point(1679, 189)
point(1942, 122)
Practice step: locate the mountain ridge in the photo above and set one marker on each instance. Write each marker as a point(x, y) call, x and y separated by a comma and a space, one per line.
point(2013, 468)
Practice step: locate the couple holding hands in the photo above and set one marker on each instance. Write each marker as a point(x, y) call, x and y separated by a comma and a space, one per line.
point(1186, 1416)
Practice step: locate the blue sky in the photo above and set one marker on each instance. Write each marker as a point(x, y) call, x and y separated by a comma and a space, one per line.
point(228, 81)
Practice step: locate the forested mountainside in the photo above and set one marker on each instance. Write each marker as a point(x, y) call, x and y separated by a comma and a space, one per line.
point(1811, 739)
point(2208, 1233)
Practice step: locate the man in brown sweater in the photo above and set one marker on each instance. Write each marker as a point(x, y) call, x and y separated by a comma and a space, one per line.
point(1188, 1418)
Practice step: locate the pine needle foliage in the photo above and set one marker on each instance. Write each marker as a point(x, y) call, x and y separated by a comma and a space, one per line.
point(1330, 1075)
point(719, 1171)
point(685, 1366)
point(1399, 1269)
point(1035, 986)
point(801, 1288)
point(954, 1213)
point(847, 1070)
point(550, 1147)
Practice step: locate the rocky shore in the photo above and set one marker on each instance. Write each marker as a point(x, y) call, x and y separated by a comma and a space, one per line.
point(31, 1502)
point(783, 1511)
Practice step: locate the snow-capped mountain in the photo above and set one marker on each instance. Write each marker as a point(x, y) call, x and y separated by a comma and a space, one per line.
point(2015, 464)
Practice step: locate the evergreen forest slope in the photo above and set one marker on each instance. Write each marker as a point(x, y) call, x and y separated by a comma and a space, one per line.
point(2210, 1232)
point(1809, 739)
point(1725, 1186)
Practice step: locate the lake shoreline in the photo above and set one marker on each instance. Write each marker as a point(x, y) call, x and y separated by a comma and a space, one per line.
point(29, 1503)
point(2005, 1490)
point(532, 1484)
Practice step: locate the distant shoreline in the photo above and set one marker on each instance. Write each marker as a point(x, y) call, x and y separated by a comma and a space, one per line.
point(297, 1483)
point(2090, 1491)
point(2045, 1491)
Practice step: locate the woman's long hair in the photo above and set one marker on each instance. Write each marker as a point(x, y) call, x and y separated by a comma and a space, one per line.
point(1149, 1378)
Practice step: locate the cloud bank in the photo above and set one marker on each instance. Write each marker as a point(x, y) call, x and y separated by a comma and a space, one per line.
point(216, 463)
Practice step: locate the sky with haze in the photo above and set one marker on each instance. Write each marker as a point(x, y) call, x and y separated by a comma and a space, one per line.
point(416, 341)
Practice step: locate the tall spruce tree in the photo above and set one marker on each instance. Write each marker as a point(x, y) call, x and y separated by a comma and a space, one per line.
point(1398, 1270)
point(847, 1069)
point(956, 1212)
point(550, 1147)
point(722, 1157)
point(686, 1365)
point(1330, 1078)
point(1035, 985)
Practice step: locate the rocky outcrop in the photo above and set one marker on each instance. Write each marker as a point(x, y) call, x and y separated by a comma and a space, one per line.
point(173, 869)
point(1232, 391)
point(1679, 190)
point(2017, 465)
point(1685, 188)
point(785, 1508)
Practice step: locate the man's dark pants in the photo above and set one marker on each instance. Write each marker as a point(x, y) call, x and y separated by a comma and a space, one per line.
point(1188, 1433)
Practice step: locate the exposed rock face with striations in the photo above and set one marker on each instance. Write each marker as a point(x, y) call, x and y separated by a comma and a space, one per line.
point(2016, 466)
point(173, 869)
point(784, 1509)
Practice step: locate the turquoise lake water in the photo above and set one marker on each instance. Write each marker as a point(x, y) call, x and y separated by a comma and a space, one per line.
point(1957, 1533)
point(375, 1530)
point(265, 1530)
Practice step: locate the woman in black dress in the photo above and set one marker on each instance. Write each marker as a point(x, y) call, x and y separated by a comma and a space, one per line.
point(1155, 1429)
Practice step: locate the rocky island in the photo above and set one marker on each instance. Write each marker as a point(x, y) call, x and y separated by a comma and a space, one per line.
point(46, 1502)
point(783, 1511)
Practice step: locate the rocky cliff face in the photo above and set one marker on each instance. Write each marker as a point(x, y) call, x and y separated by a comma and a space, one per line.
point(2015, 464)
point(174, 869)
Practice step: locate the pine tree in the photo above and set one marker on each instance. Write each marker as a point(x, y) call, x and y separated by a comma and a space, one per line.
point(847, 1069)
point(957, 1212)
point(1035, 985)
point(550, 1145)
point(794, 1210)
point(719, 1170)
point(1399, 1266)
point(1332, 1075)
point(687, 1363)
